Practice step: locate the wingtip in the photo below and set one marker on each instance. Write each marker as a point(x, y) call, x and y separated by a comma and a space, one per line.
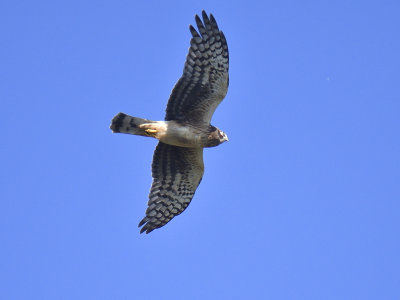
point(198, 20)
point(205, 17)
point(143, 229)
point(146, 228)
point(212, 19)
point(193, 31)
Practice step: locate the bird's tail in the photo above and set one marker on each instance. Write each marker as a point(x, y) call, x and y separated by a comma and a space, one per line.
point(123, 123)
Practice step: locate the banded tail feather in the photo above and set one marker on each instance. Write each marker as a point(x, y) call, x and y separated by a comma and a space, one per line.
point(123, 123)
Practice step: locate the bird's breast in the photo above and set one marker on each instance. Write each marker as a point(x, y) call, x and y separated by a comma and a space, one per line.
point(182, 135)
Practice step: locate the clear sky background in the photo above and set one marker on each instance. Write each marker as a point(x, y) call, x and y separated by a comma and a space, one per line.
point(301, 203)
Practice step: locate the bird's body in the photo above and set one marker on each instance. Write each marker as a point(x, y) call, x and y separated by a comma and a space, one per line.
point(178, 166)
point(170, 132)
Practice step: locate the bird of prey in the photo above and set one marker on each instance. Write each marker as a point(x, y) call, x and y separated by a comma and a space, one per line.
point(177, 167)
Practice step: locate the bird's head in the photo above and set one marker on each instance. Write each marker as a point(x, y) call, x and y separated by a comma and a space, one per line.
point(216, 137)
point(223, 137)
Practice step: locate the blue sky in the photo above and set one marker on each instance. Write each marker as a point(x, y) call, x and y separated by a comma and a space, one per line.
point(301, 203)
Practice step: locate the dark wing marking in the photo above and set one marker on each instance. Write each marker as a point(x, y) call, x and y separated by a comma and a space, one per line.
point(205, 78)
point(176, 172)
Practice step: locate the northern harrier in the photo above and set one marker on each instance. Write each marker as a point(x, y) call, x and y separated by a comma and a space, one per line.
point(177, 166)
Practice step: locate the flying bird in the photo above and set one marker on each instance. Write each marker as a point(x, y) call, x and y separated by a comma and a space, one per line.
point(178, 167)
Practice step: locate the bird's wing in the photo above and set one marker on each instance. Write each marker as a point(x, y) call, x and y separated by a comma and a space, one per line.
point(205, 78)
point(176, 172)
